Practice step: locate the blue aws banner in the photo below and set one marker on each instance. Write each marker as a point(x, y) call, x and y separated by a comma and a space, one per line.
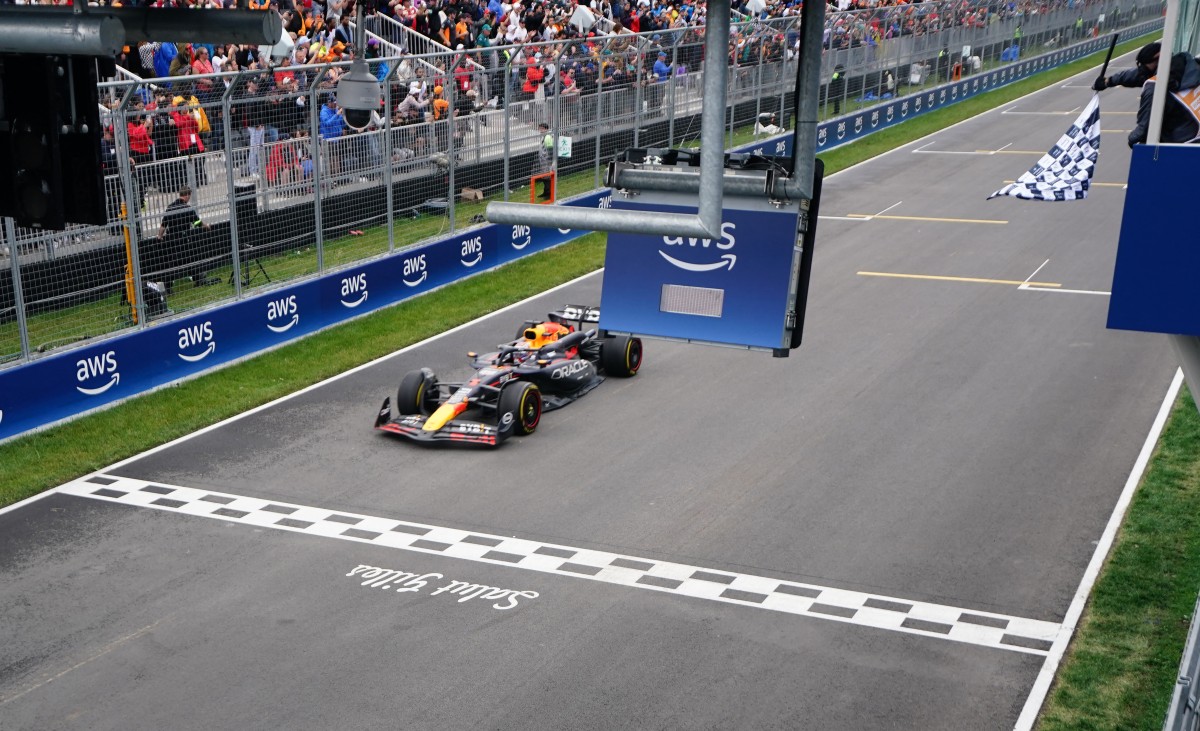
point(736, 290)
point(61, 386)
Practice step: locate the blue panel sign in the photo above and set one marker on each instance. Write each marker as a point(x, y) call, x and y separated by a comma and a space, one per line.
point(1154, 284)
point(737, 290)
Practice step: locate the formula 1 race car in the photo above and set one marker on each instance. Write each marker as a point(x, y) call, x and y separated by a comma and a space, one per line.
point(549, 365)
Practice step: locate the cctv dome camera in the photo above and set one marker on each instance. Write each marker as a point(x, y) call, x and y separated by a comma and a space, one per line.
point(358, 94)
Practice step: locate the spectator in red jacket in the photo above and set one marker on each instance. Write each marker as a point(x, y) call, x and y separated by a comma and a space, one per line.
point(187, 130)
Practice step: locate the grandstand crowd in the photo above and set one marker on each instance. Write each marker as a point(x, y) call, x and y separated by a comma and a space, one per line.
point(498, 54)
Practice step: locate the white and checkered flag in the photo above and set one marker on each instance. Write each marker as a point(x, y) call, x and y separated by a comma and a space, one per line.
point(1065, 172)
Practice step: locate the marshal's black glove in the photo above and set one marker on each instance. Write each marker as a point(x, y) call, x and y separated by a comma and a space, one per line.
point(1100, 85)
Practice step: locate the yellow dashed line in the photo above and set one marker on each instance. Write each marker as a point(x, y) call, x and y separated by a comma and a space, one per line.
point(975, 280)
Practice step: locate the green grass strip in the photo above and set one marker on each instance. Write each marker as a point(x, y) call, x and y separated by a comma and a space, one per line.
point(1120, 668)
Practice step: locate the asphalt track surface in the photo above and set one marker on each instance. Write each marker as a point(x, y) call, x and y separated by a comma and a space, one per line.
point(885, 530)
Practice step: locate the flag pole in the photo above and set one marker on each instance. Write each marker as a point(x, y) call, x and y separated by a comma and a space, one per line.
point(1111, 47)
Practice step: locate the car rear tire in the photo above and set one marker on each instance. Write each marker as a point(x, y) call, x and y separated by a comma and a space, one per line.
point(621, 356)
point(521, 403)
point(417, 391)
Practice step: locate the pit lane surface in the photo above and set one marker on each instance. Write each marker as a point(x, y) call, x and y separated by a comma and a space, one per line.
point(885, 530)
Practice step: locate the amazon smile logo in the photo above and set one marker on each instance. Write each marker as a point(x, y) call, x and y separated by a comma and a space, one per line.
point(97, 369)
point(279, 310)
point(522, 236)
point(354, 290)
point(703, 255)
point(193, 336)
point(726, 260)
point(415, 270)
point(472, 251)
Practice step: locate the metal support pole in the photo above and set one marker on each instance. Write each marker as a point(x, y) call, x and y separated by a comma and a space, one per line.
point(50, 30)
point(706, 224)
point(1159, 104)
point(10, 233)
point(1187, 347)
point(808, 88)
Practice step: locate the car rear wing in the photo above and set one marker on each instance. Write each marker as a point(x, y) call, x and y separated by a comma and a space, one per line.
point(578, 314)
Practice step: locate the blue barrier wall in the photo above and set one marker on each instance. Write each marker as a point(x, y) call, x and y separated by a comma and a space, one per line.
point(68, 384)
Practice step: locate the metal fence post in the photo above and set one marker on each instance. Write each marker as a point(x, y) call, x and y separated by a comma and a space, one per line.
point(451, 153)
point(10, 233)
point(230, 188)
point(133, 203)
point(507, 95)
point(315, 126)
point(388, 152)
point(599, 163)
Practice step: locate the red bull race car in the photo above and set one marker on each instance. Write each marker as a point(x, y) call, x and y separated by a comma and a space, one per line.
point(549, 365)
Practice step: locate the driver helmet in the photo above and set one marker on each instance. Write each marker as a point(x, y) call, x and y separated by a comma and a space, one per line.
point(543, 333)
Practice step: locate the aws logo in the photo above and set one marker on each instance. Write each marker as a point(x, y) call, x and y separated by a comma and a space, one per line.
point(196, 336)
point(354, 290)
point(522, 236)
point(415, 270)
point(280, 309)
point(726, 242)
point(472, 251)
point(97, 369)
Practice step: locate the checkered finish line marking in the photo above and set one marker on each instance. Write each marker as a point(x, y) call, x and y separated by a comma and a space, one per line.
point(882, 612)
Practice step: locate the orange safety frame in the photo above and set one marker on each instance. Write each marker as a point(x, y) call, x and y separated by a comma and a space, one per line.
point(547, 193)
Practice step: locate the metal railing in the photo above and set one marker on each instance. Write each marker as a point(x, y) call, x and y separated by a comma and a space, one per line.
point(1184, 712)
point(283, 190)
